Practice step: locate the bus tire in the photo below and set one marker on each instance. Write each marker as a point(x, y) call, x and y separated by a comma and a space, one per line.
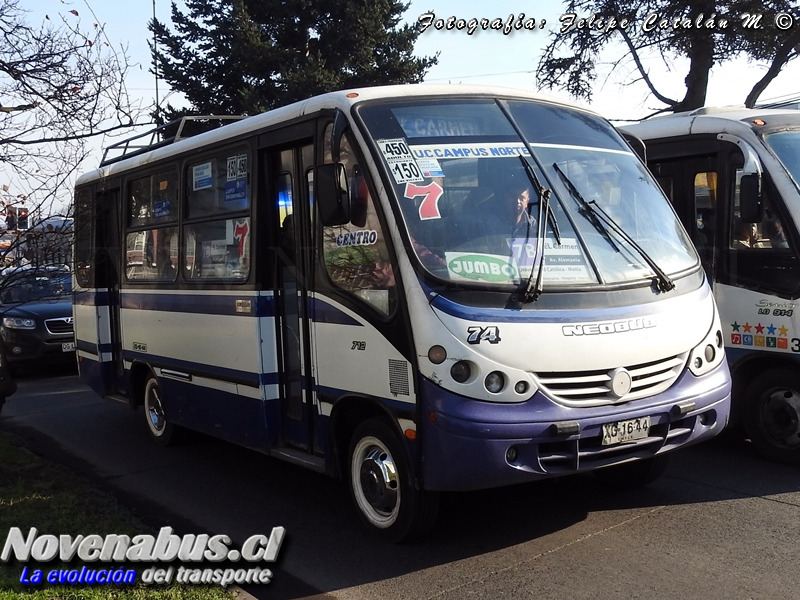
point(380, 485)
point(161, 430)
point(634, 474)
point(772, 415)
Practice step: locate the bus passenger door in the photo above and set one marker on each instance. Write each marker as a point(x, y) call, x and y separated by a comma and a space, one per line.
point(109, 267)
point(692, 186)
point(291, 209)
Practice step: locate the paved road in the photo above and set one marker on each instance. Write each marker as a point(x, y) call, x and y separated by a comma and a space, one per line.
point(722, 523)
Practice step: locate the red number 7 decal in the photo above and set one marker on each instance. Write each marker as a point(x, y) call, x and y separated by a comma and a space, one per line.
point(429, 207)
point(240, 231)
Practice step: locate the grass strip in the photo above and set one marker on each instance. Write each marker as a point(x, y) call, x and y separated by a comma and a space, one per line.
point(35, 493)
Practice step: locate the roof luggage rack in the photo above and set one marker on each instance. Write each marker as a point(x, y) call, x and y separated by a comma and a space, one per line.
point(163, 136)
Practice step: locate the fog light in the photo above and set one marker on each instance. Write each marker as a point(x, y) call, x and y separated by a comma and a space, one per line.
point(521, 387)
point(719, 339)
point(698, 362)
point(710, 353)
point(494, 382)
point(460, 371)
point(437, 355)
point(16, 350)
point(511, 454)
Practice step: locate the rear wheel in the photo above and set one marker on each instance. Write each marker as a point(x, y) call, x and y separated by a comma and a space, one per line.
point(636, 473)
point(161, 430)
point(772, 415)
point(381, 487)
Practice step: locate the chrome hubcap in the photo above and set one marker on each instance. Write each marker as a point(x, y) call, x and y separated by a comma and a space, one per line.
point(379, 481)
point(155, 412)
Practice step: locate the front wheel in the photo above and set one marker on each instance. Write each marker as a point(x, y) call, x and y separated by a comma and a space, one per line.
point(162, 431)
point(772, 415)
point(381, 487)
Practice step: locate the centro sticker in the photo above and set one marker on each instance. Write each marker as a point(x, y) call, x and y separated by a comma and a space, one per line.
point(492, 268)
point(357, 238)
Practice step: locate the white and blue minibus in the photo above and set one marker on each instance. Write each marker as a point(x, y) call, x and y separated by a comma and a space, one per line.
point(733, 176)
point(413, 288)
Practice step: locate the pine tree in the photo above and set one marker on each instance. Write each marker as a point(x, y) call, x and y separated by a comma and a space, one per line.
point(248, 56)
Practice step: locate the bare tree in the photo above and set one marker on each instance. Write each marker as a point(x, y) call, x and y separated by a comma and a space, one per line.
point(62, 84)
point(699, 33)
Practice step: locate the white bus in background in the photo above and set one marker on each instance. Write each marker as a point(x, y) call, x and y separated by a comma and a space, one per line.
point(416, 289)
point(733, 175)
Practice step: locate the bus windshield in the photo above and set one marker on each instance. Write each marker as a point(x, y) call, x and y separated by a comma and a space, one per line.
point(786, 145)
point(470, 194)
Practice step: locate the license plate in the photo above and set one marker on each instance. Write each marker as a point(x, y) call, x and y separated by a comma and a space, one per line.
point(68, 347)
point(625, 431)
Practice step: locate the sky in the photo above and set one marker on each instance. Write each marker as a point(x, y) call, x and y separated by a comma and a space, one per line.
point(487, 57)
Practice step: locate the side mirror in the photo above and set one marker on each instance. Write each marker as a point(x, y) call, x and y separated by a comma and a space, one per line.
point(751, 209)
point(330, 184)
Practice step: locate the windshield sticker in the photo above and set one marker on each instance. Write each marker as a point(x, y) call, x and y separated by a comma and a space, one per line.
point(401, 163)
point(470, 266)
point(161, 209)
point(423, 125)
point(430, 167)
point(430, 194)
point(565, 262)
point(524, 252)
point(357, 238)
point(202, 177)
point(487, 150)
point(237, 167)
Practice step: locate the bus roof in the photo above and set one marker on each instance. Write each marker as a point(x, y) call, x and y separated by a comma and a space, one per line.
point(342, 100)
point(712, 120)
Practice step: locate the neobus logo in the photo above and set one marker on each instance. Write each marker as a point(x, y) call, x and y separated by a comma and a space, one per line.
point(608, 327)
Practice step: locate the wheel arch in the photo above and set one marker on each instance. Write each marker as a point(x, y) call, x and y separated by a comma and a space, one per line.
point(347, 414)
point(139, 372)
point(746, 370)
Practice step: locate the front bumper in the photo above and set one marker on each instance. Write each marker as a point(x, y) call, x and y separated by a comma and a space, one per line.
point(34, 345)
point(466, 442)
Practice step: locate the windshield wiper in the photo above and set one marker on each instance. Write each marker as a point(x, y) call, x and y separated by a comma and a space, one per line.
point(530, 290)
point(585, 209)
point(597, 217)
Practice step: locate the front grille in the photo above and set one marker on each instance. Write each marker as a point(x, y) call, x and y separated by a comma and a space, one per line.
point(59, 326)
point(593, 388)
point(588, 453)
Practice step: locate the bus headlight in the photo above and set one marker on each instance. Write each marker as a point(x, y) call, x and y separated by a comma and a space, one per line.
point(461, 371)
point(708, 353)
point(494, 382)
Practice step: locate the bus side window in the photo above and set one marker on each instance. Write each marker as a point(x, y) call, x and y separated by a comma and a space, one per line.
point(356, 255)
point(769, 233)
point(705, 210)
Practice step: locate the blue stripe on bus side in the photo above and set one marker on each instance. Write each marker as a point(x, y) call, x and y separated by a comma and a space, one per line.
point(321, 311)
point(90, 298)
point(199, 369)
point(196, 304)
point(91, 348)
